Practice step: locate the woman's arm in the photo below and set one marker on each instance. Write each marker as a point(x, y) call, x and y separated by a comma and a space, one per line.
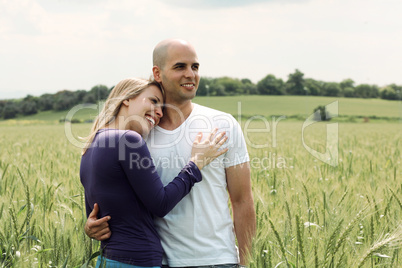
point(145, 181)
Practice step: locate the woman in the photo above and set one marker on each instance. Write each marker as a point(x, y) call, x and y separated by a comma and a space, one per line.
point(118, 173)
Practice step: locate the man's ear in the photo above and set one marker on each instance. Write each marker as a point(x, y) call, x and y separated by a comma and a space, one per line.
point(126, 102)
point(157, 74)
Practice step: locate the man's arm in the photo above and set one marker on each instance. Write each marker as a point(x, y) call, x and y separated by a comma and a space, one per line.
point(241, 196)
point(97, 229)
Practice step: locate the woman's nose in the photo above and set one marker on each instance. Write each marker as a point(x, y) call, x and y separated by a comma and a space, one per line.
point(158, 111)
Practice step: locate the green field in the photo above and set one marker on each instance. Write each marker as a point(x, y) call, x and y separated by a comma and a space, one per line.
point(309, 214)
point(301, 105)
point(291, 106)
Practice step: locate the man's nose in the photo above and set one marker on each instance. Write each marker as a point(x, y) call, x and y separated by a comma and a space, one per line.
point(189, 72)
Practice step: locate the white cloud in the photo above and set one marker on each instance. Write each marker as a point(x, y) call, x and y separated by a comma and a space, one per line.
point(209, 4)
point(48, 45)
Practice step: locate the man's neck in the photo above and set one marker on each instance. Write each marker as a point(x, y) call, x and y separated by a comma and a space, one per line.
point(175, 114)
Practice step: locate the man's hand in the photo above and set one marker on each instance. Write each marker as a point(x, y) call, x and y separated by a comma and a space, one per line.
point(97, 229)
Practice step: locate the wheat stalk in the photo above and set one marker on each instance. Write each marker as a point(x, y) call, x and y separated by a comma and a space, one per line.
point(331, 243)
point(300, 240)
point(289, 216)
point(278, 238)
point(396, 198)
point(388, 206)
point(316, 261)
point(396, 237)
point(348, 229)
point(342, 198)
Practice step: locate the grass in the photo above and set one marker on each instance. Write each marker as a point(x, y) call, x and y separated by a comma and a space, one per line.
point(298, 107)
point(309, 214)
point(54, 117)
point(301, 105)
point(343, 210)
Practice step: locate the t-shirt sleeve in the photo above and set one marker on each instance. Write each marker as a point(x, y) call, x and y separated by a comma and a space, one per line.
point(140, 170)
point(237, 153)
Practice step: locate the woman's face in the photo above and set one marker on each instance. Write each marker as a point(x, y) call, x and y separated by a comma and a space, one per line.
point(145, 110)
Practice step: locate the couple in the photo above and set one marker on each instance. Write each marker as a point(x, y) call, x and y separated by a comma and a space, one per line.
point(199, 230)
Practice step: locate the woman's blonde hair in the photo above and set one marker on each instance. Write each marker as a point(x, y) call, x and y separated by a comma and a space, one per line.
point(126, 89)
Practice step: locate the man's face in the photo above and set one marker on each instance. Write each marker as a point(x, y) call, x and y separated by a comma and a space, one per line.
point(180, 77)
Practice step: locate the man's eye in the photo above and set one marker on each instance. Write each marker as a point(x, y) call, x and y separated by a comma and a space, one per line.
point(195, 67)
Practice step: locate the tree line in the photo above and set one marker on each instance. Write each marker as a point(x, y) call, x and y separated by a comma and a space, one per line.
point(60, 101)
point(296, 84)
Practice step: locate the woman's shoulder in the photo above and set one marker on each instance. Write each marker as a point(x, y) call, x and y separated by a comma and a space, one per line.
point(119, 134)
point(131, 135)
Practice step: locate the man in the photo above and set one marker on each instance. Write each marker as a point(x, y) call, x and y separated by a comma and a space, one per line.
point(199, 230)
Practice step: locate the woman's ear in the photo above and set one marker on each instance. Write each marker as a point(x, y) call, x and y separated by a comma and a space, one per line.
point(126, 102)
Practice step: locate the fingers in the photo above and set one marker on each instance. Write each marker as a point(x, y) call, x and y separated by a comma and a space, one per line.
point(103, 234)
point(97, 228)
point(221, 152)
point(220, 144)
point(212, 134)
point(102, 221)
point(198, 137)
point(94, 221)
point(219, 138)
point(94, 212)
point(219, 141)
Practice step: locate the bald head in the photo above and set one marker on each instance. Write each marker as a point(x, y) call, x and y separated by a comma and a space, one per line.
point(161, 50)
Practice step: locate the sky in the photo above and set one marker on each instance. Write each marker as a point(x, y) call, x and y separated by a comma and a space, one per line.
point(52, 45)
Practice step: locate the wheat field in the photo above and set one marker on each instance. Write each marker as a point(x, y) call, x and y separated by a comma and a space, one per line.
point(309, 213)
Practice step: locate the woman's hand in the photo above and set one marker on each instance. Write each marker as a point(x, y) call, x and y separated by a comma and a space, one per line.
point(204, 152)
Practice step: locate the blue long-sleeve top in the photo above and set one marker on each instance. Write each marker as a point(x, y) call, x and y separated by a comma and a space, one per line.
point(117, 172)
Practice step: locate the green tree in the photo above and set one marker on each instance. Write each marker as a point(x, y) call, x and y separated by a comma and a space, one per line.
point(10, 110)
point(295, 83)
point(203, 86)
point(89, 98)
point(100, 92)
point(366, 91)
point(79, 96)
point(314, 87)
point(2, 105)
point(232, 86)
point(96, 94)
point(322, 115)
point(347, 88)
point(331, 89)
point(391, 92)
point(270, 85)
point(45, 102)
point(249, 87)
point(28, 107)
point(216, 89)
point(64, 100)
point(348, 92)
point(246, 81)
point(347, 83)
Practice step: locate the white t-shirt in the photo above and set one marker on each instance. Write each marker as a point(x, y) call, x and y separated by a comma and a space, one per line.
point(199, 230)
